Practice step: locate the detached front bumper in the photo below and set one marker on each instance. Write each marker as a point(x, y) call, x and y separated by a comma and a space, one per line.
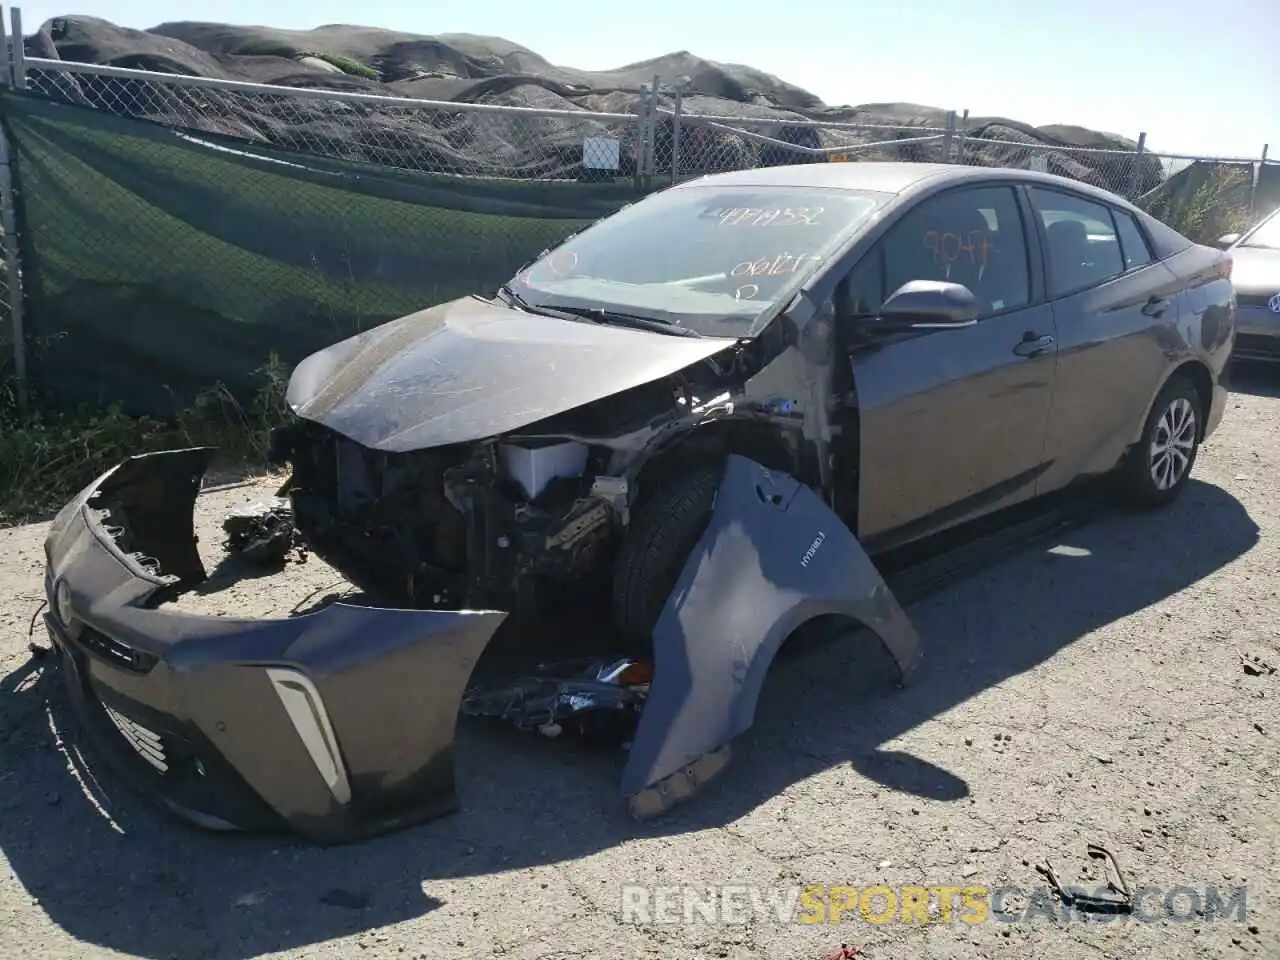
point(337, 724)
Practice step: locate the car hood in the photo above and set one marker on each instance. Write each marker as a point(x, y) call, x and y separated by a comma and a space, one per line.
point(1255, 270)
point(472, 369)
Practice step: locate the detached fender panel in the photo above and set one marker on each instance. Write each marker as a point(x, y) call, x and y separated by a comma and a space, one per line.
point(773, 557)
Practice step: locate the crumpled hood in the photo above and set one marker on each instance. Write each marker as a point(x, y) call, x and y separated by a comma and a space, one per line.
point(470, 369)
point(1255, 270)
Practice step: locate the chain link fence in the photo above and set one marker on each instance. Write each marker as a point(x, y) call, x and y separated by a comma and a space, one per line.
point(469, 191)
point(164, 262)
point(1129, 173)
point(693, 144)
point(647, 136)
point(1203, 197)
point(460, 139)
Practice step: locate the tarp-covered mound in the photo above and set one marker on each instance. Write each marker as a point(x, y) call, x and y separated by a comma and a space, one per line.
point(462, 68)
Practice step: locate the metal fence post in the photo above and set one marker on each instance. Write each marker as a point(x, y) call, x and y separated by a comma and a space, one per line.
point(651, 135)
point(642, 138)
point(676, 110)
point(13, 273)
point(644, 132)
point(1257, 179)
point(1135, 167)
point(18, 56)
point(960, 131)
point(948, 138)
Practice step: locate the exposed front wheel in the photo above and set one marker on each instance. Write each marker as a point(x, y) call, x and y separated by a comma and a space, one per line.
point(1160, 465)
point(654, 552)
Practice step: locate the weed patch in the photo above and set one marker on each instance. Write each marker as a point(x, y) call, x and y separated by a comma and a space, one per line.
point(45, 462)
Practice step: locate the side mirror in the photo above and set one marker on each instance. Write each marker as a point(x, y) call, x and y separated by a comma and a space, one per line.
point(1226, 240)
point(929, 305)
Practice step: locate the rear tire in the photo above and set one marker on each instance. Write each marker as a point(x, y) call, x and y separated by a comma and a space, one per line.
point(1158, 467)
point(655, 549)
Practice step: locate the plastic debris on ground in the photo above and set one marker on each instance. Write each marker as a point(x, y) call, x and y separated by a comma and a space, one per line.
point(1255, 666)
point(262, 534)
point(595, 699)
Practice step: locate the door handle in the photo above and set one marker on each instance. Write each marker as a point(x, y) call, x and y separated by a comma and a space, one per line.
point(1033, 345)
point(1155, 307)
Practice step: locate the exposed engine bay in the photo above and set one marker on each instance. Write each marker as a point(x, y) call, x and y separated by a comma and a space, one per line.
point(449, 528)
point(530, 520)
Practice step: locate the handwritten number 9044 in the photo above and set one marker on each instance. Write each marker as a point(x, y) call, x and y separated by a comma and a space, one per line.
point(949, 246)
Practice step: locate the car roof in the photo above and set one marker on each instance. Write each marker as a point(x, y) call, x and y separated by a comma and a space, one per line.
point(887, 176)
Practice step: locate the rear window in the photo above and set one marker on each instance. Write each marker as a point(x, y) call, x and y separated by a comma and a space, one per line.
point(1165, 241)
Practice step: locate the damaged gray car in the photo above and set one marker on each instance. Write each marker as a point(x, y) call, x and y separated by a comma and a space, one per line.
point(710, 415)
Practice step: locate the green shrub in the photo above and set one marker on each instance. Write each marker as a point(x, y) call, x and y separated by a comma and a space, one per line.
point(275, 48)
point(348, 66)
point(1204, 201)
point(45, 462)
point(265, 48)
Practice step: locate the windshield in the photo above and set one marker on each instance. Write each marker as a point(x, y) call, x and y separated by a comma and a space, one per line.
point(1267, 235)
point(709, 259)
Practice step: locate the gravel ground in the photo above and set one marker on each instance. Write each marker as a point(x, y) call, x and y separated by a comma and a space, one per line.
point(1083, 691)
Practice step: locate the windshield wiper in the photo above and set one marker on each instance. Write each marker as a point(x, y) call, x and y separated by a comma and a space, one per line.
point(600, 315)
point(514, 298)
point(597, 315)
point(520, 303)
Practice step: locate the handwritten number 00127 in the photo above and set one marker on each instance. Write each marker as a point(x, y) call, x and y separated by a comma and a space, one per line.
point(948, 247)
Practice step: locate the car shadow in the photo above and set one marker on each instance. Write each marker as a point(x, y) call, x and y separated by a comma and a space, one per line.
point(112, 871)
point(1254, 377)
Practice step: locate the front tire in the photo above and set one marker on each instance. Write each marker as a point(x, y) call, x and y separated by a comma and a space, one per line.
point(654, 552)
point(1159, 466)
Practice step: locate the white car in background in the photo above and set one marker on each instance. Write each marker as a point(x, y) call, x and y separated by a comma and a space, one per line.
point(1256, 276)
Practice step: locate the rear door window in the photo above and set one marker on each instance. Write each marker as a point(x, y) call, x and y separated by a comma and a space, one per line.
point(1133, 245)
point(1082, 247)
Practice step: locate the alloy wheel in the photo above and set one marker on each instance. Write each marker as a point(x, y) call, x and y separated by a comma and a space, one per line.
point(1173, 444)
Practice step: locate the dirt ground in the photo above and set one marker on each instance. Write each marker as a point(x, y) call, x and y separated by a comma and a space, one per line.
point(1085, 691)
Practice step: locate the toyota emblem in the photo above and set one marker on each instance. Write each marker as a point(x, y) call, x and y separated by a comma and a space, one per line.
point(1274, 303)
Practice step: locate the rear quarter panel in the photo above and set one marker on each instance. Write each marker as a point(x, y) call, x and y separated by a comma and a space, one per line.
point(1208, 317)
point(1207, 306)
point(1205, 331)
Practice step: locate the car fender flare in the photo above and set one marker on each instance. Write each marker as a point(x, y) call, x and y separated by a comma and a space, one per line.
point(1183, 367)
point(773, 557)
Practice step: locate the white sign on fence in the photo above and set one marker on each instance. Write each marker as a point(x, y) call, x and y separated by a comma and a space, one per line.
point(1039, 163)
point(600, 153)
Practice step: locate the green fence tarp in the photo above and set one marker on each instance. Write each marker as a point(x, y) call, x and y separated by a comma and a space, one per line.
point(159, 262)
